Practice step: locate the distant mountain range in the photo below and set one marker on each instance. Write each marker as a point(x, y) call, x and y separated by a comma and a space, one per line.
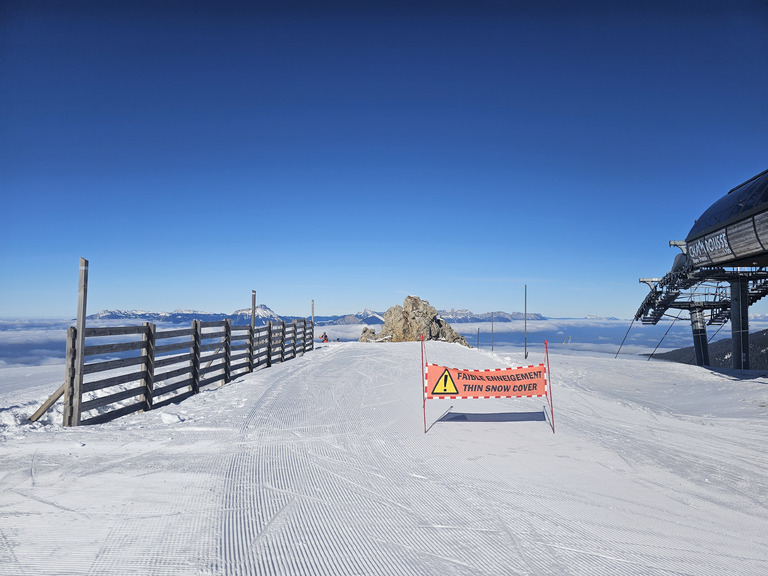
point(464, 316)
point(365, 317)
point(264, 314)
point(239, 318)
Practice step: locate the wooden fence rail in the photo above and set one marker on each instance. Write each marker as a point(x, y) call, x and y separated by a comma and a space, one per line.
point(131, 369)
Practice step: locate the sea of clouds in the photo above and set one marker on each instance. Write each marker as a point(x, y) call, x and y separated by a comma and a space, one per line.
point(35, 342)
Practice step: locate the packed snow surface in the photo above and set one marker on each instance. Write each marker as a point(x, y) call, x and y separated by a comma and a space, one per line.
point(321, 465)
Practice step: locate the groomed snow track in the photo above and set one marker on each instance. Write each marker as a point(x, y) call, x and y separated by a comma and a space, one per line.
point(320, 466)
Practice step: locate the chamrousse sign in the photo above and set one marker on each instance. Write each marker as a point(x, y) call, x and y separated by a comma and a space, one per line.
point(710, 249)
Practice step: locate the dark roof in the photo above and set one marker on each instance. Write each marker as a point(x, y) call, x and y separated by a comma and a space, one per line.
point(742, 201)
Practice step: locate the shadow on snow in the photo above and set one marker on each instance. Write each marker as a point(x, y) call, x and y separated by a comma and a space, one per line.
point(493, 417)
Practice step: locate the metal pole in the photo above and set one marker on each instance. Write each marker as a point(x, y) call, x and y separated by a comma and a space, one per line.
point(740, 323)
point(491, 331)
point(525, 316)
point(253, 308)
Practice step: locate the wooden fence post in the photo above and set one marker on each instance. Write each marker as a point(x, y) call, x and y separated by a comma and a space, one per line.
point(282, 342)
point(227, 350)
point(312, 334)
point(196, 338)
point(148, 353)
point(269, 344)
point(250, 347)
point(82, 299)
point(69, 376)
point(300, 344)
point(294, 342)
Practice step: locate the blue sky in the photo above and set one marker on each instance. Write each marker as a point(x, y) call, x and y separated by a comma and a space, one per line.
point(357, 152)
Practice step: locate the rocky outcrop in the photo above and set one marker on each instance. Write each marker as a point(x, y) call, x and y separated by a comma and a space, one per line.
point(407, 323)
point(368, 335)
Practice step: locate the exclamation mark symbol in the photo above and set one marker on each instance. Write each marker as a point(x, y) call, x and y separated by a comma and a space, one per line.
point(445, 382)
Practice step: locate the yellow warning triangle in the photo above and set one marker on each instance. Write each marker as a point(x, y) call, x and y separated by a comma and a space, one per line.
point(445, 385)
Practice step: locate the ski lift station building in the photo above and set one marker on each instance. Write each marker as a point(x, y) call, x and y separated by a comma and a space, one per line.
point(721, 270)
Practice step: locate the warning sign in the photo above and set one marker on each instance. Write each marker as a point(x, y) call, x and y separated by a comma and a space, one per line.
point(522, 382)
point(445, 385)
point(442, 382)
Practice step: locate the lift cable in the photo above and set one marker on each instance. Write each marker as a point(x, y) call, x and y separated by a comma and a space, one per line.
point(665, 334)
point(625, 337)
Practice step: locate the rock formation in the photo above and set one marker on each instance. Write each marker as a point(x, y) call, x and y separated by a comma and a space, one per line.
point(407, 323)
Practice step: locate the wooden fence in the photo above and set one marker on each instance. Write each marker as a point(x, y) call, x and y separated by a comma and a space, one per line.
point(129, 369)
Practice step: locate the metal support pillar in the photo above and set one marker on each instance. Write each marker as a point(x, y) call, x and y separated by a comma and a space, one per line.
point(699, 327)
point(740, 323)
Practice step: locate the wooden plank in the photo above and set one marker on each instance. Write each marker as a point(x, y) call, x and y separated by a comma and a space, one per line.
point(114, 414)
point(242, 364)
point(113, 381)
point(114, 331)
point(165, 348)
point(209, 369)
point(213, 324)
point(213, 336)
point(171, 360)
point(237, 371)
point(112, 364)
point(162, 390)
point(48, 403)
point(211, 346)
point(165, 334)
point(101, 349)
point(211, 380)
point(239, 356)
point(112, 398)
point(173, 373)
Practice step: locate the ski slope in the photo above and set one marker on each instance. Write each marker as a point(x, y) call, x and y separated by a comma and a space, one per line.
point(321, 465)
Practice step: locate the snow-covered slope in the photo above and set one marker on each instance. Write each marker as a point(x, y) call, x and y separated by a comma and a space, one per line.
point(321, 466)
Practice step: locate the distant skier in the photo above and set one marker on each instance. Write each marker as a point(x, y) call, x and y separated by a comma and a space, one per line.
point(324, 337)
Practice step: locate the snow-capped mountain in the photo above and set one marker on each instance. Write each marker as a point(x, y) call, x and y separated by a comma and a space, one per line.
point(264, 314)
point(239, 318)
point(463, 316)
point(371, 316)
point(367, 316)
